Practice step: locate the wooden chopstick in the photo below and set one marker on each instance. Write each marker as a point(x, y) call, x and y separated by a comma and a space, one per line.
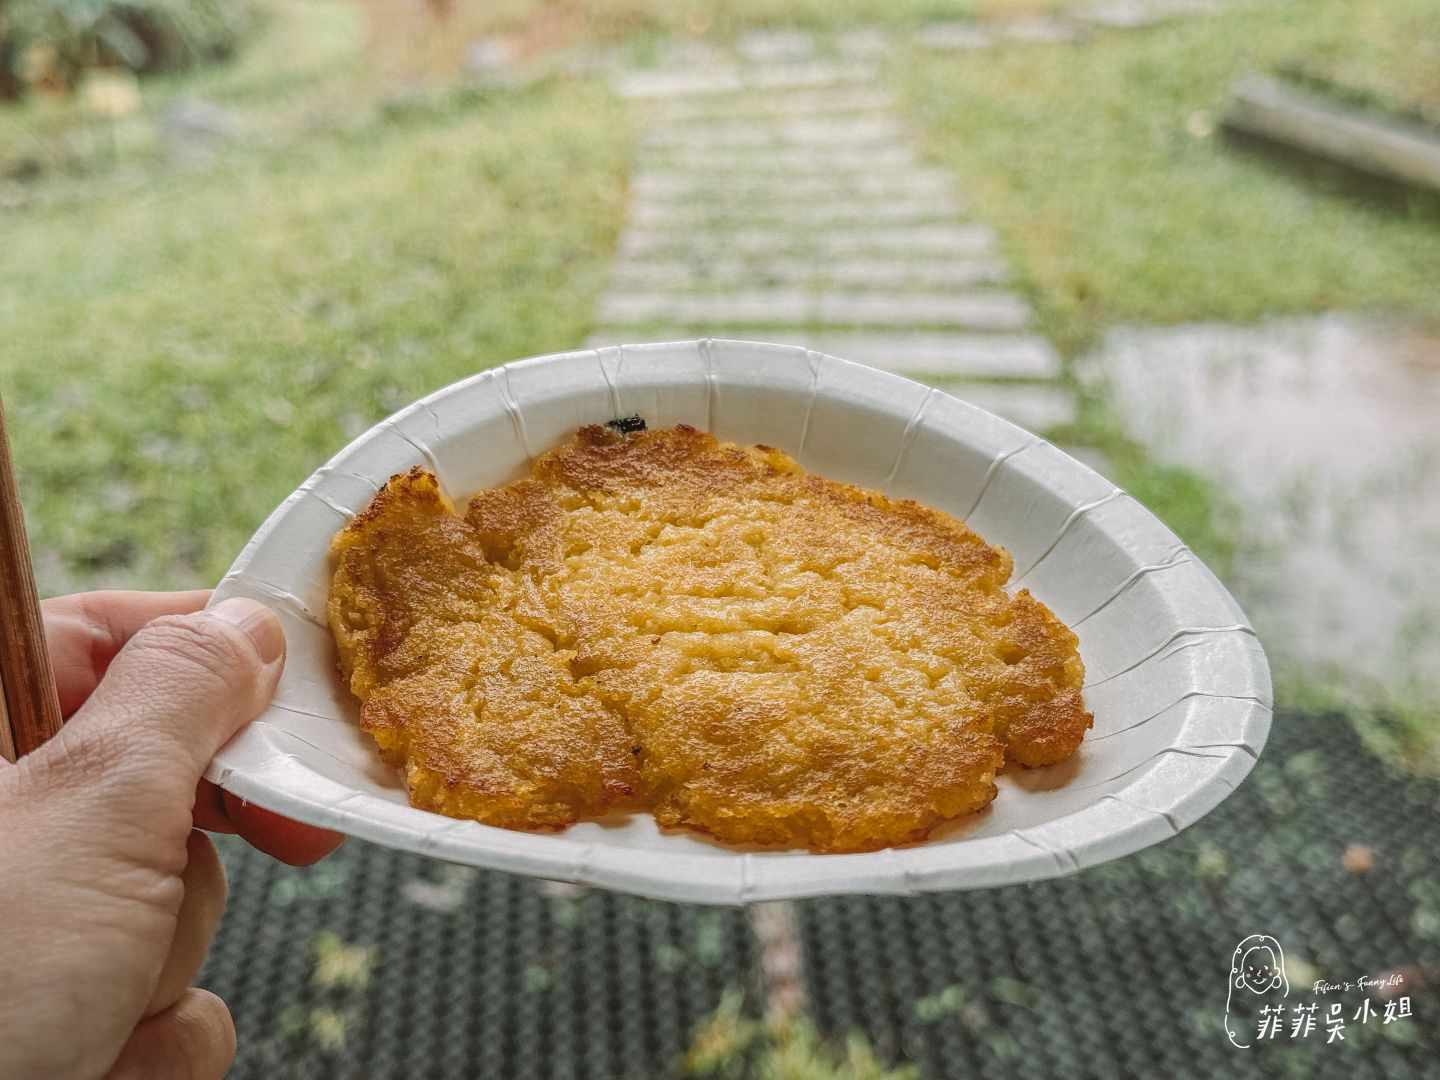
point(30, 708)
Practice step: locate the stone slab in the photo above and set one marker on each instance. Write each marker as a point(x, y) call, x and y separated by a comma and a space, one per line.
point(690, 185)
point(939, 355)
point(957, 35)
point(1036, 406)
point(1039, 28)
point(863, 43)
point(645, 213)
point(723, 273)
point(668, 83)
point(850, 131)
point(763, 160)
point(1133, 14)
point(799, 307)
point(768, 46)
point(688, 53)
point(803, 101)
point(1321, 432)
point(954, 241)
point(1088, 455)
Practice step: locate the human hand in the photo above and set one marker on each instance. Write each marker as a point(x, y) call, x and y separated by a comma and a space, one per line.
point(97, 848)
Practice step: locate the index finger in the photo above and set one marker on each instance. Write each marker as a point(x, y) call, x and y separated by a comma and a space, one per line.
point(277, 836)
point(86, 630)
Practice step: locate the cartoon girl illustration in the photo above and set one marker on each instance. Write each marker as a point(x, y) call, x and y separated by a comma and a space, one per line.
point(1257, 966)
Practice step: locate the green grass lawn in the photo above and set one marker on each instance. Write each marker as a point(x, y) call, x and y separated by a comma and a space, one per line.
point(1389, 55)
point(1119, 199)
point(183, 347)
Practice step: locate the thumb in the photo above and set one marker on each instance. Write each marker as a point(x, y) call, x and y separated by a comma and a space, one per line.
point(194, 1039)
point(176, 693)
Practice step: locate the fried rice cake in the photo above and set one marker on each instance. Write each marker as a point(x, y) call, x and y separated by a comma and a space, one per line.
point(658, 619)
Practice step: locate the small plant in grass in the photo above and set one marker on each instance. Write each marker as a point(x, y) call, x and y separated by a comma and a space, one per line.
point(734, 1045)
point(48, 43)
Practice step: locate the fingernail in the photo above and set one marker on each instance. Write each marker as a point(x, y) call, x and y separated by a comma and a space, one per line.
point(258, 621)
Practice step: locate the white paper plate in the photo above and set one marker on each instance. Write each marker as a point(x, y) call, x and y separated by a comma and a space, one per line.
point(1176, 678)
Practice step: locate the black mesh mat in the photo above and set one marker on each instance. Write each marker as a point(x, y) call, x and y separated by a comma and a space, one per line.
point(380, 965)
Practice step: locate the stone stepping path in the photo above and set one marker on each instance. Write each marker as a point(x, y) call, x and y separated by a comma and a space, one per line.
point(778, 195)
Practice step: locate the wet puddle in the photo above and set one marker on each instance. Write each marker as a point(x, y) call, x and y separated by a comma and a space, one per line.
point(1326, 433)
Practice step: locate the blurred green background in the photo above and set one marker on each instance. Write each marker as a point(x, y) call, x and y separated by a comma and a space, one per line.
point(214, 276)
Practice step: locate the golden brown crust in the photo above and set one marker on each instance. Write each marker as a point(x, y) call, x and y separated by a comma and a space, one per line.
point(476, 705)
point(703, 629)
